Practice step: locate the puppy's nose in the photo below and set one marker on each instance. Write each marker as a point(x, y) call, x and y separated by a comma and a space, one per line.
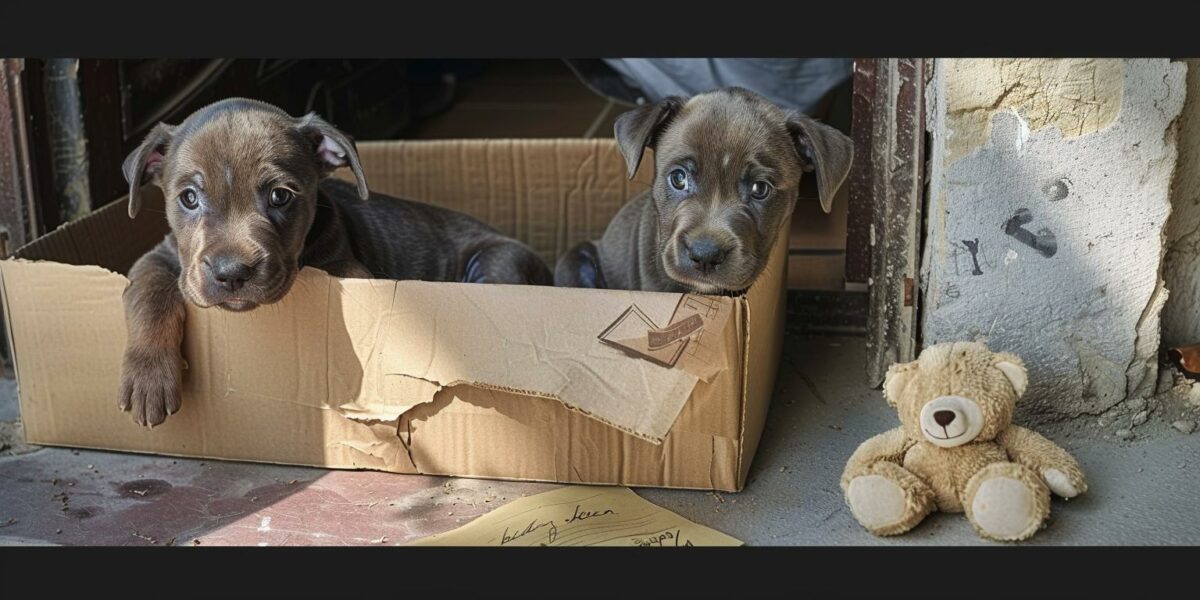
point(704, 253)
point(943, 417)
point(229, 272)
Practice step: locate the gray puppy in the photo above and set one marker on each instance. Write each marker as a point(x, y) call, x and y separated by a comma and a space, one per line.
point(248, 206)
point(728, 165)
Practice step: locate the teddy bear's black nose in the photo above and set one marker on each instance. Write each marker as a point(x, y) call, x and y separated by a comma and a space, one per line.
point(943, 417)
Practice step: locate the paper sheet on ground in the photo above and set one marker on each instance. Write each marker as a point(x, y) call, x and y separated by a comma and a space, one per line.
point(581, 516)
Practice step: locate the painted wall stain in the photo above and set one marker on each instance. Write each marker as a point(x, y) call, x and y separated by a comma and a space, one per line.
point(1043, 241)
point(973, 246)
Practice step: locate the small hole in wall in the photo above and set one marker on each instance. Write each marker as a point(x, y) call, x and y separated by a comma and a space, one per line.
point(1058, 189)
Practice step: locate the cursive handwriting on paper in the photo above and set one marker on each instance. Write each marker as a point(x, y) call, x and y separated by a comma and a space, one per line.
point(581, 516)
point(587, 514)
point(666, 538)
point(533, 526)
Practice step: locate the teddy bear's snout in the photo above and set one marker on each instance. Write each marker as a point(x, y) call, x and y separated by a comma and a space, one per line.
point(948, 421)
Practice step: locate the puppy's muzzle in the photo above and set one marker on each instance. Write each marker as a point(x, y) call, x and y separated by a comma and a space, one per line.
point(231, 281)
point(228, 272)
point(702, 253)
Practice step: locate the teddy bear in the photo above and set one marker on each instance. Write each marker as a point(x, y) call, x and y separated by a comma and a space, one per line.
point(957, 450)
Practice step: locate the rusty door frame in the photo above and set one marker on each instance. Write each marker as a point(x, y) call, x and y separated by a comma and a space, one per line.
point(19, 219)
point(887, 195)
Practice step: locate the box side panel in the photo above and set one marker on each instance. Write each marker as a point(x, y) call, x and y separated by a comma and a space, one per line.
point(550, 194)
point(766, 308)
point(67, 330)
point(310, 382)
point(107, 237)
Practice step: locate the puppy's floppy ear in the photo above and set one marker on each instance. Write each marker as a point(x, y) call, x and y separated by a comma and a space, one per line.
point(898, 376)
point(333, 149)
point(636, 130)
point(1014, 369)
point(824, 150)
point(146, 161)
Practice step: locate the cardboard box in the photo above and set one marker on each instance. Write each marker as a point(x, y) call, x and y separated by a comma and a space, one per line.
point(511, 382)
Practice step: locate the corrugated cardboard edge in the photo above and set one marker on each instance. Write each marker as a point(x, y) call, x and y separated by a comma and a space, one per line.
point(8, 334)
point(754, 410)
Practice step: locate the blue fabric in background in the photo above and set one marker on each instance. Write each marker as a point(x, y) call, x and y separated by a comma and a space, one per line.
point(797, 83)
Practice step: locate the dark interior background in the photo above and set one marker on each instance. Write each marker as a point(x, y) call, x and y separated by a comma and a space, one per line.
point(66, 125)
point(120, 100)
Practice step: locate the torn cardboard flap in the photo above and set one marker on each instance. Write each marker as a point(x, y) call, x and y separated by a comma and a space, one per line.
point(399, 395)
point(507, 338)
point(391, 345)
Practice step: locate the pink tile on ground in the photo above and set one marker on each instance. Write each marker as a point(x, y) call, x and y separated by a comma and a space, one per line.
point(79, 497)
point(369, 508)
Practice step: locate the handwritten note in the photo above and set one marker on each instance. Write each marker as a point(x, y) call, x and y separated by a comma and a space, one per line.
point(581, 516)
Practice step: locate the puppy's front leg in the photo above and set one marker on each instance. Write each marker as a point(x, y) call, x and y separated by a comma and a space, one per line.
point(152, 371)
point(347, 269)
point(580, 268)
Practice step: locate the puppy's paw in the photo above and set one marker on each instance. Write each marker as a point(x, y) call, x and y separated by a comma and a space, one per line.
point(151, 385)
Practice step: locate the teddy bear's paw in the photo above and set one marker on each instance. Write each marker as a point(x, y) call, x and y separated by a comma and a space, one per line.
point(1006, 509)
point(876, 501)
point(1060, 483)
point(879, 504)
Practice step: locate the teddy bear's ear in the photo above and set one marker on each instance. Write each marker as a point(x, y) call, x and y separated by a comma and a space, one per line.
point(898, 376)
point(1014, 370)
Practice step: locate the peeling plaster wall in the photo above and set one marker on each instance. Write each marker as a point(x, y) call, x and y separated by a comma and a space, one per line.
point(1181, 316)
point(1078, 96)
point(1048, 198)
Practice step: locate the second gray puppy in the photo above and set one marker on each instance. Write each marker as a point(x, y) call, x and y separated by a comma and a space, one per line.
point(728, 165)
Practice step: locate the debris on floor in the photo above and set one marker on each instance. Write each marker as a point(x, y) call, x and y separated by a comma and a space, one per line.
point(1174, 409)
point(12, 439)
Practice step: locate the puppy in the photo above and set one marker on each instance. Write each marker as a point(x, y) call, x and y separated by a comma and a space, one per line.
point(248, 206)
point(728, 165)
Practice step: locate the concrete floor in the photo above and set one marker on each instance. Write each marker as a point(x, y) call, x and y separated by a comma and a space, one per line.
point(1142, 491)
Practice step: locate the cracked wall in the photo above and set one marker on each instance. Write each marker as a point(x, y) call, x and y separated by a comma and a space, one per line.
point(1180, 317)
point(1048, 196)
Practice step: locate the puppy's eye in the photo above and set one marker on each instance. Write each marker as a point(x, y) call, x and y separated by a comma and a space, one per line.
point(678, 179)
point(760, 190)
point(188, 199)
point(281, 196)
